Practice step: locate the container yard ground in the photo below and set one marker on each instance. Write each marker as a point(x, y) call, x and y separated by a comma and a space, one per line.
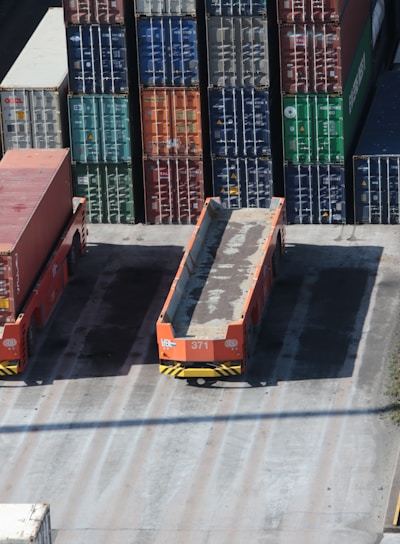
point(299, 450)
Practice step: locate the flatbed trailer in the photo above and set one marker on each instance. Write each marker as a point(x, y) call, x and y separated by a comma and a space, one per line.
point(209, 322)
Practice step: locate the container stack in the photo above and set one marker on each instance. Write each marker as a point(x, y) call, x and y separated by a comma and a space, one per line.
point(33, 92)
point(239, 101)
point(325, 57)
point(170, 110)
point(376, 160)
point(99, 108)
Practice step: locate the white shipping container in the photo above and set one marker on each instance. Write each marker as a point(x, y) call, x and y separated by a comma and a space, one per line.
point(165, 7)
point(34, 91)
point(25, 523)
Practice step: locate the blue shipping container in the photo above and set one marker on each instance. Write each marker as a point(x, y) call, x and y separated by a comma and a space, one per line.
point(315, 193)
point(243, 182)
point(97, 59)
point(99, 128)
point(377, 156)
point(239, 121)
point(234, 7)
point(167, 49)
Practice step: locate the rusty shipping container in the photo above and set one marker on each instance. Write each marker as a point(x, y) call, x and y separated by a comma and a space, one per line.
point(92, 11)
point(312, 10)
point(171, 121)
point(317, 57)
point(36, 202)
point(174, 189)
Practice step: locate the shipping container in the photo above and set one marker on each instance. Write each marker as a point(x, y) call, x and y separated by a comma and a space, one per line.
point(234, 7)
point(168, 51)
point(94, 11)
point(174, 189)
point(99, 128)
point(239, 121)
point(313, 11)
point(317, 58)
point(36, 199)
point(238, 53)
point(321, 127)
point(243, 182)
point(34, 91)
point(171, 121)
point(315, 193)
point(25, 523)
point(376, 159)
point(209, 322)
point(108, 189)
point(97, 59)
point(165, 7)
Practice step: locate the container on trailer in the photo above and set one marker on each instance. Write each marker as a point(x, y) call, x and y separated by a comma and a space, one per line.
point(312, 10)
point(171, 121)
point(167, 51)
point(33, 92)
point(239, 121)
point(238, 53)
point(376, 160)
point(315, 193)
point(165, 7)
point(97, 59)
point(233, 7)
point(25, 523)
point(99, 128)
point(108, 189)
point(321, 127)
point(82, 12)
point(243, 182)
point(174, 189)
point(36, 199)
point(317, 57)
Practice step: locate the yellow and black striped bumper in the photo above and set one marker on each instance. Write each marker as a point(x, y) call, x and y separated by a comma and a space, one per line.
point(178, 370)
point(9, 368)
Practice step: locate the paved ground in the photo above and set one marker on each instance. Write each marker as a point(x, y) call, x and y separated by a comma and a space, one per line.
point(299, 450)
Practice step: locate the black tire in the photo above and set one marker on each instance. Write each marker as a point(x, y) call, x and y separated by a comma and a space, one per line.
point(74, 254)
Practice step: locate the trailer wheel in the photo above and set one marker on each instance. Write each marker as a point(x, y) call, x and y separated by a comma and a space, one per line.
point(74, 254)
point(32, 337)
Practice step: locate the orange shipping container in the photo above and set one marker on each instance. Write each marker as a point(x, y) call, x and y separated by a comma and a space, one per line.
point(174, 189)
point(171, 122)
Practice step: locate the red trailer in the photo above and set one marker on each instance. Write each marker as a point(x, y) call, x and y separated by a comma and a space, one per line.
point(42, 233)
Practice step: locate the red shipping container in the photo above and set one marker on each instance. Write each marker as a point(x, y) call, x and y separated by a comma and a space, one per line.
point(316, 57)
point(94, 11)
point(36, 203)
point(312, 10)
point(174, 189)
point(171, 121)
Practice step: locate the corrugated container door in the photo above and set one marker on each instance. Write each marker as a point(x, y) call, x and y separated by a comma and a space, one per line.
point(239, 121)
point(167, 50)
point(93, 11)
point(97, 59)
point(299, 193)
point(16, 119)
point(298, 128)
point(87, 183)
point(328, 128)
point(85, 128)
point(49, 122)
point(310, 10)
point(173, 190)
point(165, 7)
point(114, 115)
point(232, 7)
point(238, 53)
point(243, 182)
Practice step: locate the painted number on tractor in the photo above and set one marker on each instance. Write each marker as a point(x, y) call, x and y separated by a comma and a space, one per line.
point(200, 344)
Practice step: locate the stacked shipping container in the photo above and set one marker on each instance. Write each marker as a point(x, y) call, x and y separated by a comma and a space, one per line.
point(34, 91)
point(170, 110)
point(325, 57)
point(239, 102)
point(100, 122)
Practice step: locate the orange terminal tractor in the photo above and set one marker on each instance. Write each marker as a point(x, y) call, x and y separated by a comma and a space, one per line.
point(209, 322)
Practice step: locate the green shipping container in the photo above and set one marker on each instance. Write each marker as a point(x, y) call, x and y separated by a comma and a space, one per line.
point(108, 189)
point(99, 128)
point(320, 128)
